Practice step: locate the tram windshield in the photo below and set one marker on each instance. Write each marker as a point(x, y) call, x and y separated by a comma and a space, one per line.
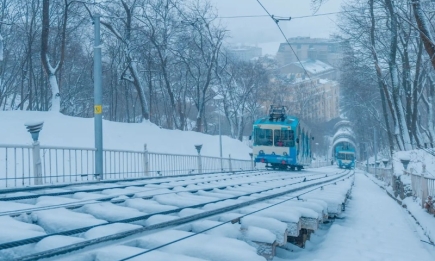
point(278, 138)
point(263, 137)
point(284, 138)
point(346, 156)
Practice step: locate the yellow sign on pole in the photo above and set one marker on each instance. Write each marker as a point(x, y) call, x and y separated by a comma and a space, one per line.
point(98, 109)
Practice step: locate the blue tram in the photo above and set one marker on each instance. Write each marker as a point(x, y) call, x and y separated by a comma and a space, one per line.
point(281, 141)
point(345, 155)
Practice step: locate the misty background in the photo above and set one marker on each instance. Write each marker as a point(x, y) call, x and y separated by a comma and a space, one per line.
point(257, 30)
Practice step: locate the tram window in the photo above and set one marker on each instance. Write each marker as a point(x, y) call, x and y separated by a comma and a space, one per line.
point(262, 137)
point(349, 156)
point(341, 156)
point(283, 138)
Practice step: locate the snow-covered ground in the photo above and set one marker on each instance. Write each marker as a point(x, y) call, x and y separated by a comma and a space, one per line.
point(61, 130)
point(373, 227)
point(419, 162)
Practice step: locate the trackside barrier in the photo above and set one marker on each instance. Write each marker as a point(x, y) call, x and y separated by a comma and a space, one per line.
point(319, 164)
point(384, 174)
point(69, 165)
point(422, 185)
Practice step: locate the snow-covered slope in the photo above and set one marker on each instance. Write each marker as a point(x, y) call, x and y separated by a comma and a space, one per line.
point(61, 130)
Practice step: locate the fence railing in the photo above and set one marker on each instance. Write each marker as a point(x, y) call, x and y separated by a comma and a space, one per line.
point(381, 173)
point(319, 164)
point(19, 164)
point(384, 174)
point(422, 186)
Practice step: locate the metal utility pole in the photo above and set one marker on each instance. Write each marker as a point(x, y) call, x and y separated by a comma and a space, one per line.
point(220, 144)
point(367, 156)
point(375, 149)
point(98, 100)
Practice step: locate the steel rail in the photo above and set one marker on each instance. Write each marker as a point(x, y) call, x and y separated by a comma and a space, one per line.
point(81, 203)
point(93, 243)
point(143, 217)
point(223, 223)
point(41, 187)
point(11, 198)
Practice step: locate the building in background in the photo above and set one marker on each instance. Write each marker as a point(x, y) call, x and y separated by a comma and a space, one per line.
point(316, 100)
point(325, 50)
point(244, 53)
point(309, 69)
point(310, 79)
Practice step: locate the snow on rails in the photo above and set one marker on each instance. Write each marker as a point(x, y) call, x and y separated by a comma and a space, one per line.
point(242, 216)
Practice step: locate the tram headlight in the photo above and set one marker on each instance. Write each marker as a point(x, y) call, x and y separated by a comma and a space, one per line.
point(261, 152)
point(285, 153)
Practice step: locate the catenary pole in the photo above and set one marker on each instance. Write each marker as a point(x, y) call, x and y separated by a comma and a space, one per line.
point(220, 144)
point(98, 100)
point(375, 148)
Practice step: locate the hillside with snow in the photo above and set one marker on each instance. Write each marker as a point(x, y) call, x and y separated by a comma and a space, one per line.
point(61, 130)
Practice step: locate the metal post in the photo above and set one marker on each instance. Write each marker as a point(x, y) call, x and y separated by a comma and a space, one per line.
point(98, 100)
point(229, 162)
point(367, 156)
point(220, 144)
point(423, 188)
point(252, 160)
point(199, 163)
point(146, 161)
point(198, 149)
point(37, 165)
point(34, 128)
point(375, 150)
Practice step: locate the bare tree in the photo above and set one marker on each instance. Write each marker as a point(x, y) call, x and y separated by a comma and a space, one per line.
point(46, 58)
point(131, 71)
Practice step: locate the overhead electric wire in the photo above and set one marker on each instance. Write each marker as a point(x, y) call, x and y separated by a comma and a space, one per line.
point(293, 17)
point(286, 39)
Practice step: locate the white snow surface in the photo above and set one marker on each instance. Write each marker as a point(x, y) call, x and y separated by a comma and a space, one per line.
point(61, 219)
point(110, 229)
point(115, 253)
point(246, 233)
point(13, 230)
point(109, 211)
point(417, 160)
point(213, 248)
point(374, 227)
point(61, 130)
point(55, 242)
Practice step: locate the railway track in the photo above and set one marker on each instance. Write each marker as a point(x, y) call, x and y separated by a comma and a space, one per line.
point(163, 205)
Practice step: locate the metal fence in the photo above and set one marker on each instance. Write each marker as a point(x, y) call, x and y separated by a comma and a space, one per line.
point(66, 165)
point(319, 164)
point(384, 174)
point(422, 186)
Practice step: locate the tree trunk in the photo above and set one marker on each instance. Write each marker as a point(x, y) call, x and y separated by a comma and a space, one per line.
point(381, 83)
point(424, 30)
point(394, 74)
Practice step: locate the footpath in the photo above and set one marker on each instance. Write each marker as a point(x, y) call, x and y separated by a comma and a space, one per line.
point(373, 228)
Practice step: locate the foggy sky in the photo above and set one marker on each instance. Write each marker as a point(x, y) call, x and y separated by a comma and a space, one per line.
point(263, 29)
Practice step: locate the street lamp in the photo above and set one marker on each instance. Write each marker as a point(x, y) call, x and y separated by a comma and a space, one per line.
point(405, 163)
point(385, 161)
point(34, 128)
point(198, 149)
point(252, 162)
